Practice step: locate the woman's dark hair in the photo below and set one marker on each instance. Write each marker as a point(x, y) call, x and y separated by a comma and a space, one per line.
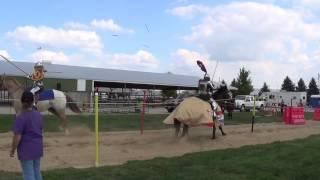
point(27, 99)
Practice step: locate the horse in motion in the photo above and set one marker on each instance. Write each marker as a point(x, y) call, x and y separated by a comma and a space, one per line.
point(53, 100)
point(195, 111)
point(201, 109)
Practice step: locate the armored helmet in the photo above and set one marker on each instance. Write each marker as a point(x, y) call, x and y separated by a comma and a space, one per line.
point(38, 64)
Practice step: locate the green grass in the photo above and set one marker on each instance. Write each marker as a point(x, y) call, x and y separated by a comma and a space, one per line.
point(124, 122)
point(111, 122)
point(298, 159)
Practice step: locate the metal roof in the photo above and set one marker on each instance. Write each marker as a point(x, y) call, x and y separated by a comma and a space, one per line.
point(103, 75)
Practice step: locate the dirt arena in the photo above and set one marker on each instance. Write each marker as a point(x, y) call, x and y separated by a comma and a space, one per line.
point(77, 150)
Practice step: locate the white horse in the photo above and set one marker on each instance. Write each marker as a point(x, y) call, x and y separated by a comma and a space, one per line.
point(56, 106)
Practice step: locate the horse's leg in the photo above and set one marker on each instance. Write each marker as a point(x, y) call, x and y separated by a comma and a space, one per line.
point(185, 130)
point(177, 127)
point(62, 119)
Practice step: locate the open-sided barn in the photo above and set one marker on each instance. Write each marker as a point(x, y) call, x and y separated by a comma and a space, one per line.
point(80, 82)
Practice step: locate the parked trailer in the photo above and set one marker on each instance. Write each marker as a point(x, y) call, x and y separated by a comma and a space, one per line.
point(285, 97)
point(315, 101)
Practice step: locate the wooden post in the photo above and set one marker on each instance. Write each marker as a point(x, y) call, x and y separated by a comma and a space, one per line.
point(142, 112)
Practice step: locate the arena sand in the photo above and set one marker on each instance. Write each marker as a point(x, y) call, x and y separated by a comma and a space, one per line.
point(77, 149)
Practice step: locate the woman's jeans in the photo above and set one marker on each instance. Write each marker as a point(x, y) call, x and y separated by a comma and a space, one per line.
point(31, 169)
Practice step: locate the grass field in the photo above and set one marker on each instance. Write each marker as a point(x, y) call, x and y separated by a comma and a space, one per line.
point(124, 122)
point(298, 159)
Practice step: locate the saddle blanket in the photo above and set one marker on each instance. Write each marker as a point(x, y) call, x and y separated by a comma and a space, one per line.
point(46, 95)
point(192, 111)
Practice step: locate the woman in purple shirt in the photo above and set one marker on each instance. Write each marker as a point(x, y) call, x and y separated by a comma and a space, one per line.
point(27, 139)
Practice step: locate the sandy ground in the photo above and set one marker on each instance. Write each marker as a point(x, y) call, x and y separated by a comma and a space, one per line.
point(77, 150)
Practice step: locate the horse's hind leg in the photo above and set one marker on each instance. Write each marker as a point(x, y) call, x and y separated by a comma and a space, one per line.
point(62, 119)
point(185, 130)
point(177, 127)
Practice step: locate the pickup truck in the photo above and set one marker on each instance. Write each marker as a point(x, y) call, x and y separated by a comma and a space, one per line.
point(246, 102)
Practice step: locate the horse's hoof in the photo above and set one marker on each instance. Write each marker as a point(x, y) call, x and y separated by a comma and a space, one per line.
point(224, 134)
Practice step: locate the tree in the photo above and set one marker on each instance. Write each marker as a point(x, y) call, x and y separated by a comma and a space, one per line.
point(233, 83)
point(244, 83)
point(167, 93)
point(313, 89)
point(264, 88)
point(287, 84)
point(301, 86)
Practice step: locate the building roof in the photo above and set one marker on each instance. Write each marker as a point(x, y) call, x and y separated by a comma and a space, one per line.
point(103, 75)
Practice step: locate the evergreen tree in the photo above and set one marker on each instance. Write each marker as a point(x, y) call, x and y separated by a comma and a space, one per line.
point(287, 85)
point(265, 88)
point(313, 89)
point(301, 86)
point(244, 83)
point(234, 84)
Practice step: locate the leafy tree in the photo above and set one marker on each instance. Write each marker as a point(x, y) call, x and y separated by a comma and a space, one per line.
point(265, 88)
point(287, 84)
point(243, 82)
point(313, 89)
point(301, 86)
point(166, 93)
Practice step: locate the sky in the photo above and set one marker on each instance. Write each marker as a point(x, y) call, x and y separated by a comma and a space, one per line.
point(270, 38)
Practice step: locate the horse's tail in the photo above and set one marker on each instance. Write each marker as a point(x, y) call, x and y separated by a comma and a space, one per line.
point(72, 105)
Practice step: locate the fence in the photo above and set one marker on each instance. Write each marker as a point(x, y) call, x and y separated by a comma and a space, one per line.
point(105, 117)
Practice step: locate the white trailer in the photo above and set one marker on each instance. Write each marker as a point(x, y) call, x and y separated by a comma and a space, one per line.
point(288, 98)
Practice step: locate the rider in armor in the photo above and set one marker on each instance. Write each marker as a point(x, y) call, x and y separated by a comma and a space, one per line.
point(37, 77)
point(205, 88)
point(205, 92)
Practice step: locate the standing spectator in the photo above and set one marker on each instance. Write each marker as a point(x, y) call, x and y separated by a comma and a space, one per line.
point(230, 107)
point(282, 105)
point(27, 139)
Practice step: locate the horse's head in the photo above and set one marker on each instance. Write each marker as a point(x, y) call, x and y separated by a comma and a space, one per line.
point(220, 90)
point(9, 84)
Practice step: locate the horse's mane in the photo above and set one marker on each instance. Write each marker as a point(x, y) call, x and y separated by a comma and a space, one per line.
point(13, 80)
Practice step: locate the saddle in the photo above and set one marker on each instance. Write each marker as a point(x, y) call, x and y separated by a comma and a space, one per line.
point(43, 95)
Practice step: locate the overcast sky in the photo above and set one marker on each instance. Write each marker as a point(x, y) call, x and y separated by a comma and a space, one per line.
point(270, 38)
